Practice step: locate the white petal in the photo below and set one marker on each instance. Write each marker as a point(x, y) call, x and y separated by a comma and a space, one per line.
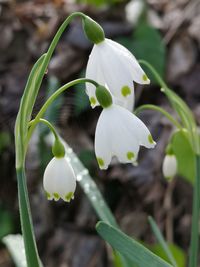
point(119, 82)
point(102, 143)
point(91, 73)
point(129, 63)
point(120, 133)
point(59, 179)
point(126, 103)
point(124, 145)
point(137, 127)
point(169, 167)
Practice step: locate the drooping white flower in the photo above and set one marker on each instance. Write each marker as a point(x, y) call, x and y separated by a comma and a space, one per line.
point(112, 65)
point(59, 180)
point(120, 133)
point(169, 166)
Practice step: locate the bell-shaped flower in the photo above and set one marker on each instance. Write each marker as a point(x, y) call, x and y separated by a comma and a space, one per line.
point(113, 66)
point(59, 180)
point(120, 133)
point(169, 166)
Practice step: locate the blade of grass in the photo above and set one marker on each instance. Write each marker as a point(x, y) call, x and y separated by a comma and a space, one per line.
point(129, 247)
point(162, 241)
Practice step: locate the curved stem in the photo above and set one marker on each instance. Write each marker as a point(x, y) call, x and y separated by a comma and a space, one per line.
point(155, 73)
point(49, 125)
point(54, 44)
point(51, 99)
point(161, 110)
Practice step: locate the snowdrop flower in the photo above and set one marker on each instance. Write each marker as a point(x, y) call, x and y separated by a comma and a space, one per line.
point(118, 133)
point(113, 66)
point(169, 166)
point(59, 180)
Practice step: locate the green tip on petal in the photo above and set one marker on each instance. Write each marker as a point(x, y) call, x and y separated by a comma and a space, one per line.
point(69, 196)
point(56, 196)
point(130, 155)
point(92, 101)
point(48, 196)
point(100, 162)
point(125, 91)
point(150, 138)
point(145, 78)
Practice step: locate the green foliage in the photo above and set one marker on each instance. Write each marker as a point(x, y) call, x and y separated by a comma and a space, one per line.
point(176, 251)
point(99, 3)
point(128, 247)
point(51, 115)
point(162, 243)
point(146, 43)
point(5, 140)
point(87, 157)
point(185, 155)
point(6, 222)
point(81, 100)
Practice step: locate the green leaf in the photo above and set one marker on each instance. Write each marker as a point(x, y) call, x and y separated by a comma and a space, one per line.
point(177, 253)
point(53, 110)
point(6, 223)
point(81, 100)
point(146, 43)
point(15, 245)
point(167, 252)
point(128, 247)
point(5, 140)
point(185, 155)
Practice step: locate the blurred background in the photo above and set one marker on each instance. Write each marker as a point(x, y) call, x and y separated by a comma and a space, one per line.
point(164, 32)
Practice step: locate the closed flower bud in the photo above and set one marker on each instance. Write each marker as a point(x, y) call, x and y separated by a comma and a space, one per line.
point(59, 180)
point(169, 166)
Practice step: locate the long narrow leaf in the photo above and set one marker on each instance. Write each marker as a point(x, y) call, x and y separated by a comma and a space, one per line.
point(128, 247)
point(162, 241)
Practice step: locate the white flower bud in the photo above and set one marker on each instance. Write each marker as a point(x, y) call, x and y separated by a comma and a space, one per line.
point(59, 180)
point(169, 166)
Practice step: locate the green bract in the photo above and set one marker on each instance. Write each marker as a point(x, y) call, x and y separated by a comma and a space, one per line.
point(103, 96)
point(58, 149)
point(93, 30)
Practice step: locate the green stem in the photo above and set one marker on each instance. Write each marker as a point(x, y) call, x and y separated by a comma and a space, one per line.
point(54, 44)
point(161, 110)
point(155, 73)
point(51, 99)
point(49, 125)
point(32, 256)
point(194, 245)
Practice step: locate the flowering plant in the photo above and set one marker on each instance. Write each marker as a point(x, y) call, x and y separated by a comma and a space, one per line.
point(110, 73)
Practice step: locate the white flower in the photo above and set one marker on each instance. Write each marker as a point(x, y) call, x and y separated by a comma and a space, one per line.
point(113, 66)
point(120, 133)
point(59, 180)
point(169, 166)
